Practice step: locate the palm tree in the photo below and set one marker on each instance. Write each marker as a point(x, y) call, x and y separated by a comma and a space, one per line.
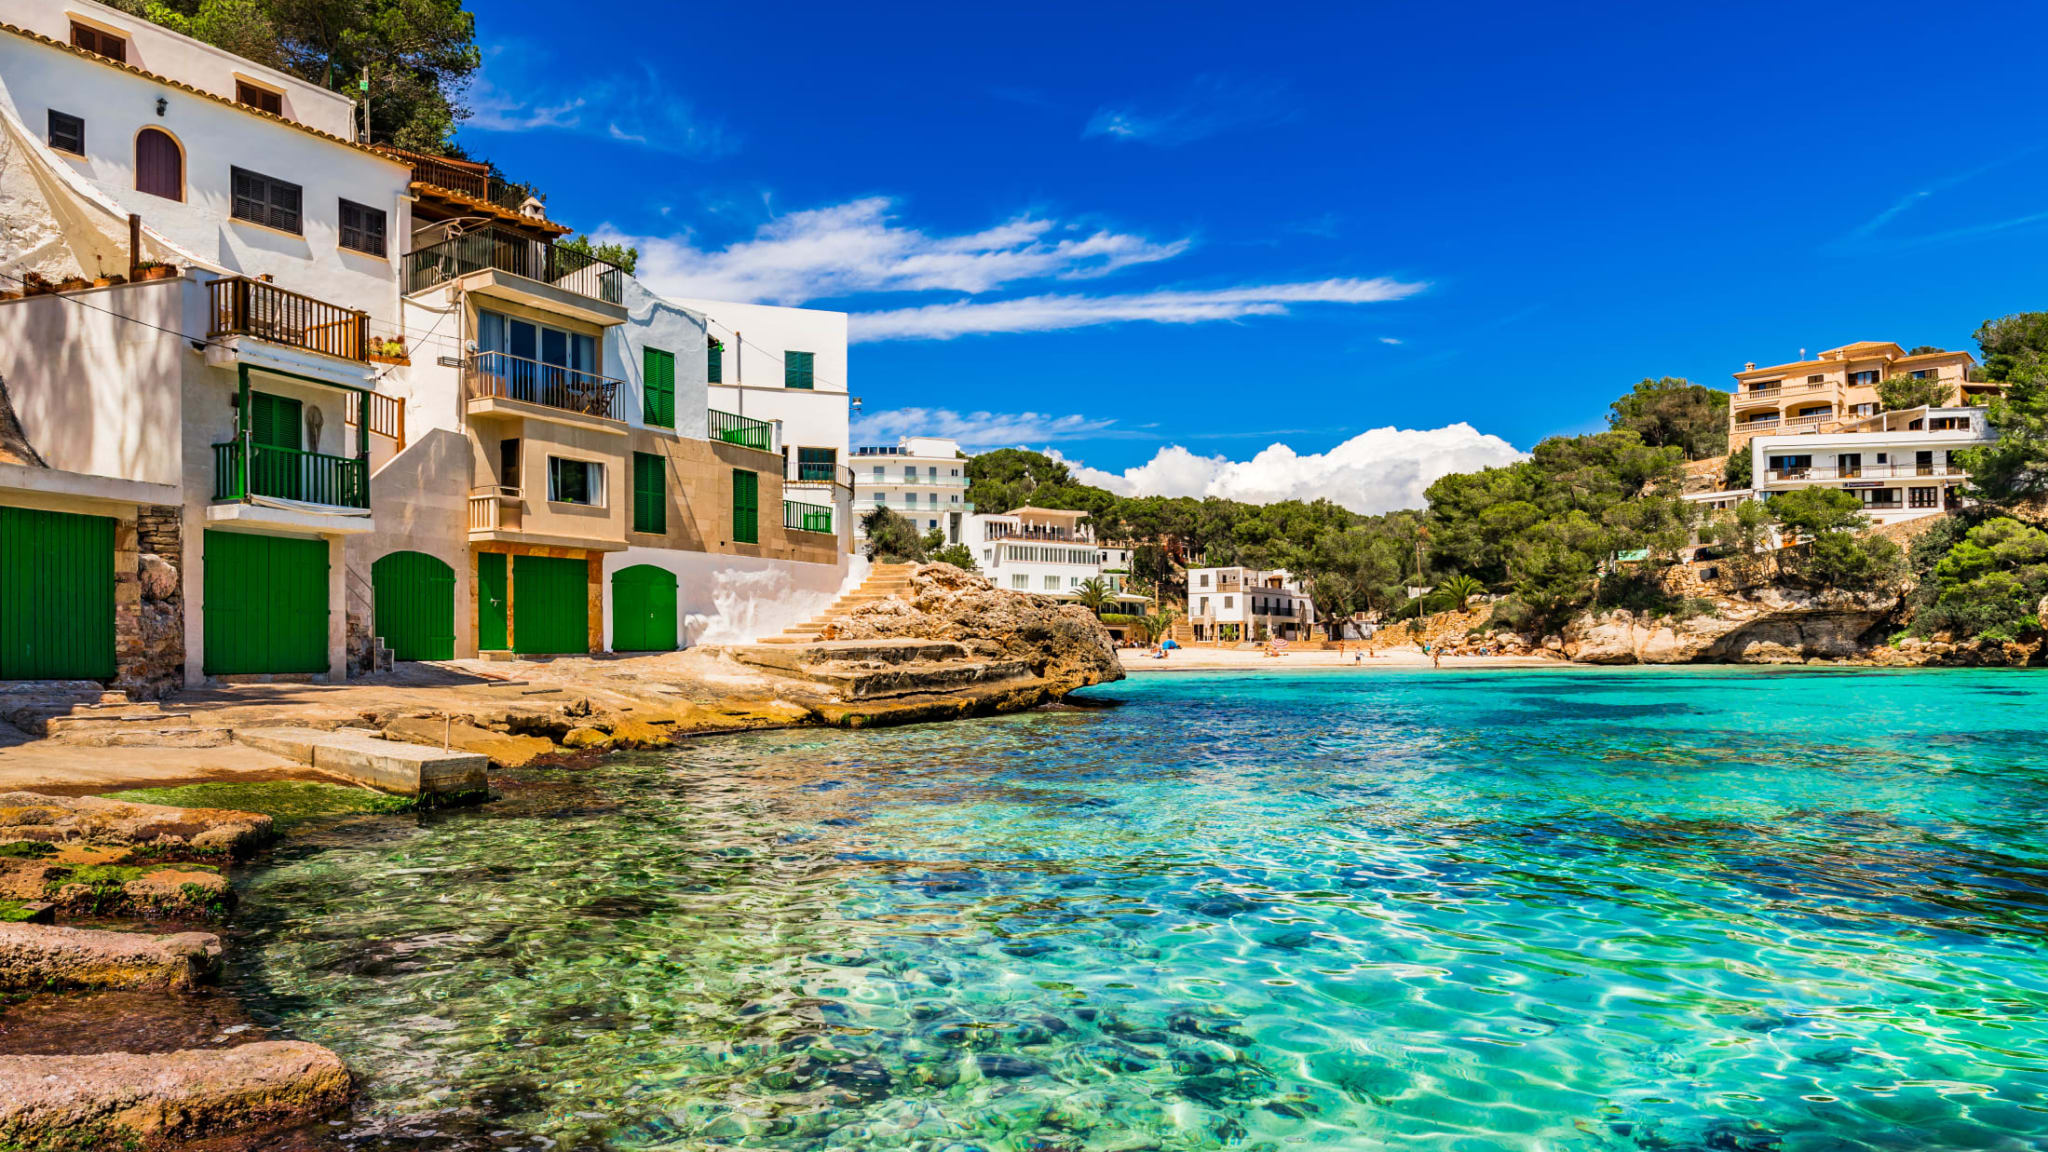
point(1459, 590)
point(1160, 623)
point(1094, 595)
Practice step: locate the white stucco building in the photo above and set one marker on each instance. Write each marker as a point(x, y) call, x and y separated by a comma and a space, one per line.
point(922, 477)
point(1901, 465)
point(403, 409)
point(1238, 604)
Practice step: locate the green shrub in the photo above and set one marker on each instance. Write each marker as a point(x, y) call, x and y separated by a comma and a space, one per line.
point(1989, 584)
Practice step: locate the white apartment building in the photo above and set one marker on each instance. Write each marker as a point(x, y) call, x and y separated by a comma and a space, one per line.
point(922, 477)
point(1047, 551)
point(1237, 604)
point(1901, 465)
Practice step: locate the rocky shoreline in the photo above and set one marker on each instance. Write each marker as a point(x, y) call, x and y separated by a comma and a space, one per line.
point(949, 646)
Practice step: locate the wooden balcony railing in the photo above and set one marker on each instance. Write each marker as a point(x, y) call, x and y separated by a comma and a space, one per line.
point(494, 508)
point(508, 251)
point(239, 306)
point(471, 180)
point(551, 385)
point(290, 474)
point(806, 517)
point(747, 433)
point(387, 414)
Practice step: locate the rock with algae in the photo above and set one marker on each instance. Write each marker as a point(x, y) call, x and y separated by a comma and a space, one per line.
point(118, 1099)
point(34, 956)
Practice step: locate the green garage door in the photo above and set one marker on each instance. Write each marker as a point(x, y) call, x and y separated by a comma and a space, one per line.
point(415, 596)
point(56, 595)
point(643, 609)
point(266, 604)
point(550, 605)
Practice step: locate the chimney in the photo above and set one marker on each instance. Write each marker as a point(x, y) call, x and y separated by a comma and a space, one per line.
point(1749, 367)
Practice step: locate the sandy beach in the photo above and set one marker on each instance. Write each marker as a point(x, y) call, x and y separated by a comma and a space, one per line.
point(1135, 660)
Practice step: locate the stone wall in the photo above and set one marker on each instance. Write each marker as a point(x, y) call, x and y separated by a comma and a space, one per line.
point(149, 601)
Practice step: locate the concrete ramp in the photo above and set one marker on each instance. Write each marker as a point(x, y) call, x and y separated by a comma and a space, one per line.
point(365, 757)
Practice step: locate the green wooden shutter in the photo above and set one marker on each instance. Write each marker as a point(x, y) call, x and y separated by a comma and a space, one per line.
point(796, 369)
point(56, 595)
point(659, 388)
point(714, 364)
point(274, 422)
point(746, 507)
point(650, 493)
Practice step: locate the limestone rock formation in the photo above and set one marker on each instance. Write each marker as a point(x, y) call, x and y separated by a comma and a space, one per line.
point(1767, 625)
point(1062, 642)
point(34, 956)
point(116, 1099)
point(94, 820)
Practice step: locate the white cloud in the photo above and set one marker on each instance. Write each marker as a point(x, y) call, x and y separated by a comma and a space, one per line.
point(979, 429)
point(859, 247)
point(1390, 339)
point(1048, 313)
point(1211, 105)
point(1376, 471)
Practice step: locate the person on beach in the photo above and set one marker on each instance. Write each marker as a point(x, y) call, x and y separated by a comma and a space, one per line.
point(1436, 656)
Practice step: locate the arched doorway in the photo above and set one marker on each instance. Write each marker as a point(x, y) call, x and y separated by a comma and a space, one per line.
point(643, 609)
point(415, 597)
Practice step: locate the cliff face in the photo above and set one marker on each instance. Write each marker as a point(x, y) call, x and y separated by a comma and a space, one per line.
point(1766, 625)
point(1062, 642)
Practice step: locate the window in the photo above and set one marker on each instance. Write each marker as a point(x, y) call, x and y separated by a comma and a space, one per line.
point(1205, 605)
point(1865, 379)
point(1849, 465)
point(1229, 601)
point(99, 43)
point(67, 133)
point(261, 99)
point(650, 493)
point(1816, 379)
point(1020, 582)
point(260, 199)
point(362, 228)
point(575, 482)
point(746, 507)
point(658, 388)
point(817, 464)
point(714, 363)
point(508, 462)
point(881, 498)
point(796, 370)
point(159, 164)
point(1923, 497)
point(1926, 373)
point(1052, 583)
point(1205, 579)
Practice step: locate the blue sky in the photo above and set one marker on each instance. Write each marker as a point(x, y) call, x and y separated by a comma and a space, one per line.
point(1354, 216)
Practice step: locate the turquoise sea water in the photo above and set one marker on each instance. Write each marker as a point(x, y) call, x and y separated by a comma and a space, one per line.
point(1731, 909)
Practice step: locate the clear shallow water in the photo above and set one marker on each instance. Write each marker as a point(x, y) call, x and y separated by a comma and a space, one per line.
point(1404, 910)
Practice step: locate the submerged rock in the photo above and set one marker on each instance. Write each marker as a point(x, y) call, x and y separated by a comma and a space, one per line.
point(39, 956)
point(504, 749)
point(115, 1099)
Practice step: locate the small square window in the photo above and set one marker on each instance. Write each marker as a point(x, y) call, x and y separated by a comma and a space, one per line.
point(67, 132)
point(99, 43)
point(575, 481)
point(261, 99)
point(362, 228)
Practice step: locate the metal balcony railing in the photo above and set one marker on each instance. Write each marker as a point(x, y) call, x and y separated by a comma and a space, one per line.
point(731, 429)
point(497, 374)
point(806, 517)
point(290, 474)
point(508, 251)
point(239, 306)
point(1868, 472)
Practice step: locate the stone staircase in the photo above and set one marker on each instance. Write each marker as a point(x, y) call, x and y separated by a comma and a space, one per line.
point(883, 581)
point(113, 720)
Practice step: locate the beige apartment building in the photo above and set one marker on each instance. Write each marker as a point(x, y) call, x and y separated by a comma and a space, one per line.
point(1838, 387)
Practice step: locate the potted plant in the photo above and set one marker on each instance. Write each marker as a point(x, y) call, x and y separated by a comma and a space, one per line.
point(155, 270)
point(73, 284)
point(34, 284)
point(391, 351)
point(109, 281)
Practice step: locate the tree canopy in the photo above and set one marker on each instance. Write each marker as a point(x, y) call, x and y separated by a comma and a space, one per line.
point(1673, 412)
